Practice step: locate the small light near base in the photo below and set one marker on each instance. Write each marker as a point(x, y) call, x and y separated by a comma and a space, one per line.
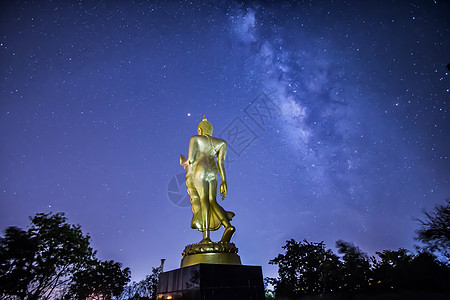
point(169, 297)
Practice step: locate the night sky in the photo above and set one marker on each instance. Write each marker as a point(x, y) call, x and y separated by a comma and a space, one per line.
point(336, 115)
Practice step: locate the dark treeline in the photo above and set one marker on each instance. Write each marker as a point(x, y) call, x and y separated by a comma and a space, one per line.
point(145, 289)
point(53, 260)
point(308, 270)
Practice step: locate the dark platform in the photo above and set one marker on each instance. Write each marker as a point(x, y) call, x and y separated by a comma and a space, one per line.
point(212, 282)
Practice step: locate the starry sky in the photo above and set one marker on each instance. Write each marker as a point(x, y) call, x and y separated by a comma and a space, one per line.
point(336, 114)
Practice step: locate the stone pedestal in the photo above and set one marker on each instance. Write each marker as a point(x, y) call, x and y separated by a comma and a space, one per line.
point(212, 282)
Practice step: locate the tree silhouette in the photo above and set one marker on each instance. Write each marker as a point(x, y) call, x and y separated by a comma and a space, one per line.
point(434, 231)
point(427, 273)
point(393, 270)
point(356, 268)
point(41, 262)
point(151, 282)
point(306, 269)
point(17, 252)
point(144, 289)
point(103, 279)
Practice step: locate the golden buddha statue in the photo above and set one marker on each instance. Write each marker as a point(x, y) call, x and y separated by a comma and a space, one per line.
point(201, 181)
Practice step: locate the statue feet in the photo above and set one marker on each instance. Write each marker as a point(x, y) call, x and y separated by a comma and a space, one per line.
point(228, 233)
point(205, 241)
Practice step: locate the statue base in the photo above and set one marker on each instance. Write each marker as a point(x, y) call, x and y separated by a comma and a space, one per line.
point(223, 253)
point(212, 282)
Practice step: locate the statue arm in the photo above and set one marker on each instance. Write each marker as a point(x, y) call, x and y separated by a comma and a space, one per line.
point(221, 155)
point(192, 155)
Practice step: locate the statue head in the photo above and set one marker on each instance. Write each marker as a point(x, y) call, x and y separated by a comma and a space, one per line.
point(205, 127)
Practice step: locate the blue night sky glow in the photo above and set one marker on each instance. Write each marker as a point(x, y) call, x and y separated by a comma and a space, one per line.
point(337, 114)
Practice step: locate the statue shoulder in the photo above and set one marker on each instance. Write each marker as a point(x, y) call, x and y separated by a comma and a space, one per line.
point(219, 142)
point(195, 138)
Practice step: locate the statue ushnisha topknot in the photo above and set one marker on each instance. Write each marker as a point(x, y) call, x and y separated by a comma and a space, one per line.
point(205, 126)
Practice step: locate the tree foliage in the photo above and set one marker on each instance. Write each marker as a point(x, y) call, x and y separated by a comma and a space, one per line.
point(434, 230)
point(356, 268)
point(41, 262)
point(392, 269)
point(306, 268)
point(144, 289)
point(402, 271)
point(100, 280)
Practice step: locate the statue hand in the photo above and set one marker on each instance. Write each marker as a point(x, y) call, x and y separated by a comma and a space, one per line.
point(223, 190)
point(183, 162)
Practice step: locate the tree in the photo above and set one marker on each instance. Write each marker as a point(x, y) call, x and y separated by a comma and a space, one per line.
point(306, 269)
point(435, 231)
point(151, 283)
point(269, 293)
point(356, 269)
point(309, 269)
point(41, 262)
point(393, 270)
point(101, 279)
point(17, 252)
point(144, 289)
point(427, 273)
point(38, 262)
